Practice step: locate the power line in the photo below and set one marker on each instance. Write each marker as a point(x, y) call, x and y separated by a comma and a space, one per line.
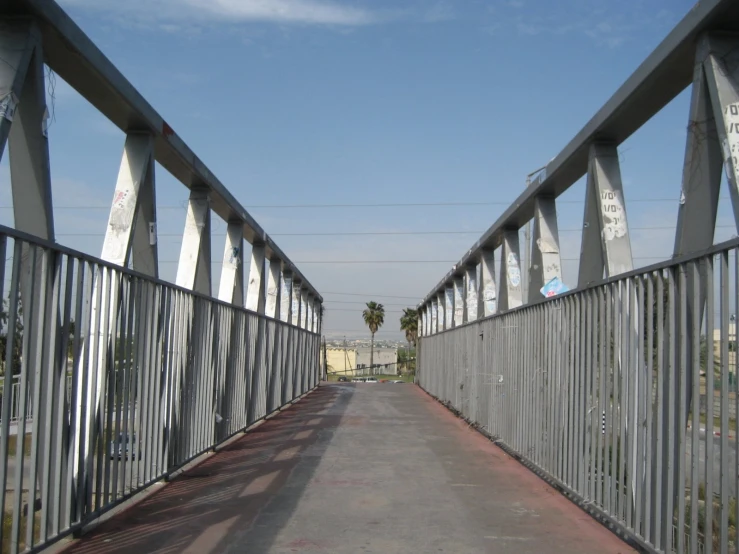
point(358, 302)
point(381, 233)
point(375, 295)
point(366, 205)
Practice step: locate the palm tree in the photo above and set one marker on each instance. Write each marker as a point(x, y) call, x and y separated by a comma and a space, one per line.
point(374, 317)
point(409, 324)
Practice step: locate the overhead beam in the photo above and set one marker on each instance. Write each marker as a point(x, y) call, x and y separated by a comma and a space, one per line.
point(665, 73)
point(72, 55)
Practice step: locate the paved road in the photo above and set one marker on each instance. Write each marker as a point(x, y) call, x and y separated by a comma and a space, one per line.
point(356, 469)
point(701, 461)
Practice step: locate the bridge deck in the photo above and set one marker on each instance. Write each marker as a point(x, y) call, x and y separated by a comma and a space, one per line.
point(356, 468)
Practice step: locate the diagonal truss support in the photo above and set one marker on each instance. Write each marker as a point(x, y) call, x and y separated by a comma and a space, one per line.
point(545, 259)
point(130, 236)
point(511, 294)
point(606, 246)
point(193, 269)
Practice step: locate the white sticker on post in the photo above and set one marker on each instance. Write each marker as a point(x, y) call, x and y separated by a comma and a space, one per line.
point(8, 105)
point(612, 209)
point(731, 144)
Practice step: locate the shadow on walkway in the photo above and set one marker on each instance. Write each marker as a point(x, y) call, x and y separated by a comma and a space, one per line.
point(203, 509)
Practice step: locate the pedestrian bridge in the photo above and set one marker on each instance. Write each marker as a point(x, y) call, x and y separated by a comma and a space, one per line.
point(143, 415)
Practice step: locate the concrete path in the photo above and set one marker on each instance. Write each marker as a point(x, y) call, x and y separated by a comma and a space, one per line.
point(356, 469)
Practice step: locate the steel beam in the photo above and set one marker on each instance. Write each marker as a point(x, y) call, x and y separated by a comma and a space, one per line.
point(488, 291)
point(255, 291)
point(231, 288)
point(459, 302)
point(606, 245)
point(511, 294)
point(655, 83)
point(133, 210)
point(29, 146)
point(193, 270)
point(545, 258)
point(75, 58)
point(472, 293)
point(296, 302)
point(699, 197)
point(19, 41)
point(273, 289)
point(448, 307)
point(286, 297)
point(722, 77)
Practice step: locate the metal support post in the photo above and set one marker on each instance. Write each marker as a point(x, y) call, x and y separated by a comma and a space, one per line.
point(511, 295)
point(448, 306)
point(130, 235)
point(231, 287)
point(255, 291)
point(471, 293)
point(545, 258)
point(458, 301)
point(273, 289)
point(19, 43)
point(286, 297)
point(193, 269)
point(297, 302)
point(605, 239)
point(434, 316)
point(488, 291)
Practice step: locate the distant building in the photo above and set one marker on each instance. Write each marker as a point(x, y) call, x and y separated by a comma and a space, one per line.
point(341, 361)
point(356, 361)
point(386, 358)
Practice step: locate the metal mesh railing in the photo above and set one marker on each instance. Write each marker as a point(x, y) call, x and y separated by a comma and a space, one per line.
point(158, 375)
point(651, 350)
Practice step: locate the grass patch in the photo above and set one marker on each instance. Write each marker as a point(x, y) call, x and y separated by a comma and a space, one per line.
point(717, 422)
point(8, 529)
point(13, 445)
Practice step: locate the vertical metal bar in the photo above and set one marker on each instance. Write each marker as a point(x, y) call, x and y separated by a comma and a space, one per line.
point(623, 404)
point(61, 426)
point(51, 385)
point(641, 395)
point(695, 392)
point(724, 439)
point(650, 325)
point(10, 338)
point(601, 404)
point(612, 417)
point(682, 416)
point(102, 372)
point(710, 314)
point(659, 498)
point(25, 370)
point(671, 416)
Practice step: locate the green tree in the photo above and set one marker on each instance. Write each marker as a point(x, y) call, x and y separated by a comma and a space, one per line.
point(409, 324)
point(374, 317)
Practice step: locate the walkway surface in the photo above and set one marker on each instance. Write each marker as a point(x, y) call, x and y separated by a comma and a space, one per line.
point(356, 469)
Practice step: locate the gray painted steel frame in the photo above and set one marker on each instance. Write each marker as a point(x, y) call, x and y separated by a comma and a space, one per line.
point(590, 390)
point(153, 383)
point(76, 59)
point(661, 77)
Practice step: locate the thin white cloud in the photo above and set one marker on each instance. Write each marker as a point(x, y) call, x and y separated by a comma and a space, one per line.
point(316, 12)
point(439, 11)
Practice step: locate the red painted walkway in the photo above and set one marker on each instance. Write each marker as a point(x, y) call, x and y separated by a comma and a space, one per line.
point(356, 468)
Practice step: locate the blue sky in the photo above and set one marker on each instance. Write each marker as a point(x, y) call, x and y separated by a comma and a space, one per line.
point(336, 102)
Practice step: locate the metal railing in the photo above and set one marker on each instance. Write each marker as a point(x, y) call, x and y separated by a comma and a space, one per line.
point(159, 375)
point(638, 348)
